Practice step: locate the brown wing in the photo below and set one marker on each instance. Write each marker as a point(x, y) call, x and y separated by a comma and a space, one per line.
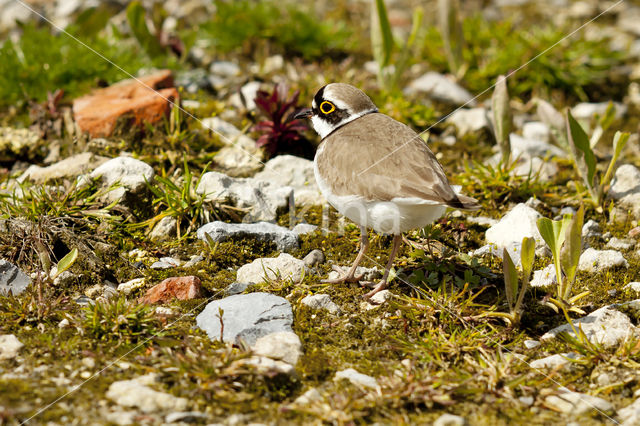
point(390, 162)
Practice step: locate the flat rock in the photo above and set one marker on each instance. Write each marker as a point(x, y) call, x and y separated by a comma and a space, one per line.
point(592, 260)
point(283, 345)
point(356, 378)
point(469, 120)
point(98, 112)
point(283, 267)
point(554, 362)
point(283, 238)
point(577, 404)
point(440, 88)
point(295, 172)
point(518, 223)
point(9, 346)
point(12, 279)
point(320, 301)
point(137, 393)
point(181, 288)
point(262, 200)
point(246, 317)
point(606, 326)
point(132, 175)
point(70, 167)
point(304, 229)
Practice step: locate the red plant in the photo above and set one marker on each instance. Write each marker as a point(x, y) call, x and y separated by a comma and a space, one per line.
point(280, 132)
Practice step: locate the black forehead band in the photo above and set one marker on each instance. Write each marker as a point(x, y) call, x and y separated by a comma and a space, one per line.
point(319, 96)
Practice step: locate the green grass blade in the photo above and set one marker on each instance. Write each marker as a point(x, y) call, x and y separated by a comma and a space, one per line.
point(510, 278)
point(381, 36)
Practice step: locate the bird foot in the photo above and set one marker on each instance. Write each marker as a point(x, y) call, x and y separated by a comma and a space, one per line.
point(381, 286)
point(343, 277)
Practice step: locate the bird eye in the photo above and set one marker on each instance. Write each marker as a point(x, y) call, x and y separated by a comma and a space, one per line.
point(327, 107)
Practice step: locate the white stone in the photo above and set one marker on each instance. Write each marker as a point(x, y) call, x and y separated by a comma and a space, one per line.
point(469, 120)
point(518, 223)
point(320, 301)
point(356, 378)
point(575, 403)
point(70, 167)
point(535, 167)
point(262, 200)
point(283, 267)
point(544, 277)
point(482, 220)
point(9, 346)
point(441, 89)
point(593, 260)
point(283, 238)
point(304, 228)
point(137, 393)
point(626, 181)
point(130, 173)
point(131, 285)
point(537, 131)
point(553, 362)
point(368, 274)
point(295, 172)
point(635, 286)
point(621, 244)
point(521, 146)
point(224, 68)
point(310, 396)
point(591, 229)
point(265, 365)
point(531, 344)
point(249, 92)
point(586, 110)
point(283, 345)
point(450, 420)
point(605, 326)
point(630, 415)
point(164, 230)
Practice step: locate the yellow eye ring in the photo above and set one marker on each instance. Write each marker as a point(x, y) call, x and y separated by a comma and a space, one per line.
point(327, 107)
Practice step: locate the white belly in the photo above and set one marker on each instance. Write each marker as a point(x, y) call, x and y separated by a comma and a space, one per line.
point(387, 217)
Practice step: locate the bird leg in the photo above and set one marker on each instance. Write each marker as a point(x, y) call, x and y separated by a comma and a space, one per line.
point(350, 276)
point(397, 239)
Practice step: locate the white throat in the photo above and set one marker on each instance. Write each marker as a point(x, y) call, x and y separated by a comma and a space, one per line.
point(323, 128)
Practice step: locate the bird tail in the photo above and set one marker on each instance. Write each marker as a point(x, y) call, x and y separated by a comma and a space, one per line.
point(463, 202)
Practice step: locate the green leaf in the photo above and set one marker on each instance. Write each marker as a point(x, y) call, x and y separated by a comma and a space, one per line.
point(136, 16)
point(571, 250)
point(510, 278)
point(585, 160)
point(619, 141)
point(553, 232)
point(527, 256)
point(67, 261)
point(381, 36)
point(501, 118)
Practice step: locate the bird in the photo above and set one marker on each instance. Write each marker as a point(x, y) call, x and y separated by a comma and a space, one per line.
point(376, 171)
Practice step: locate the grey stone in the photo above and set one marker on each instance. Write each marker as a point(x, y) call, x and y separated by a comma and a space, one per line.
point(577, 404)
point(130, 173)
point(137, 393)
point(356, 378)
point(536, 130)
point(295, 172)
point(535, 167)
point(262, 200)
point(469, 120)
point(605, 326)
point(224, 68)
point(482, 220)
point(304, 228)
point(284, 239)
point(166, 263)
point(266, 366)
point(9, 346)
point(531, 344)
point(586, 110)
point(544, 277)
point(283, 345)
point(236, 288)
point(593, 260)
point(320, 301)
point(12, 279)
point(450, 420)
point(245, 98)
point(553, 362)
point(283, 267)
point(620, 243)
point(164, 230)
point(185, 417)
point(310, 396)
point(70, 167)
point(626, 181)
point(591, 229)
point(193, 261)
point(193, 80)
point(440, 88)
point(246, 317)
point(315, 257)
point(533, 148)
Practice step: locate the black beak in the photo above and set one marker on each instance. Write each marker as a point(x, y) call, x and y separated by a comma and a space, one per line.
point(304, 113)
